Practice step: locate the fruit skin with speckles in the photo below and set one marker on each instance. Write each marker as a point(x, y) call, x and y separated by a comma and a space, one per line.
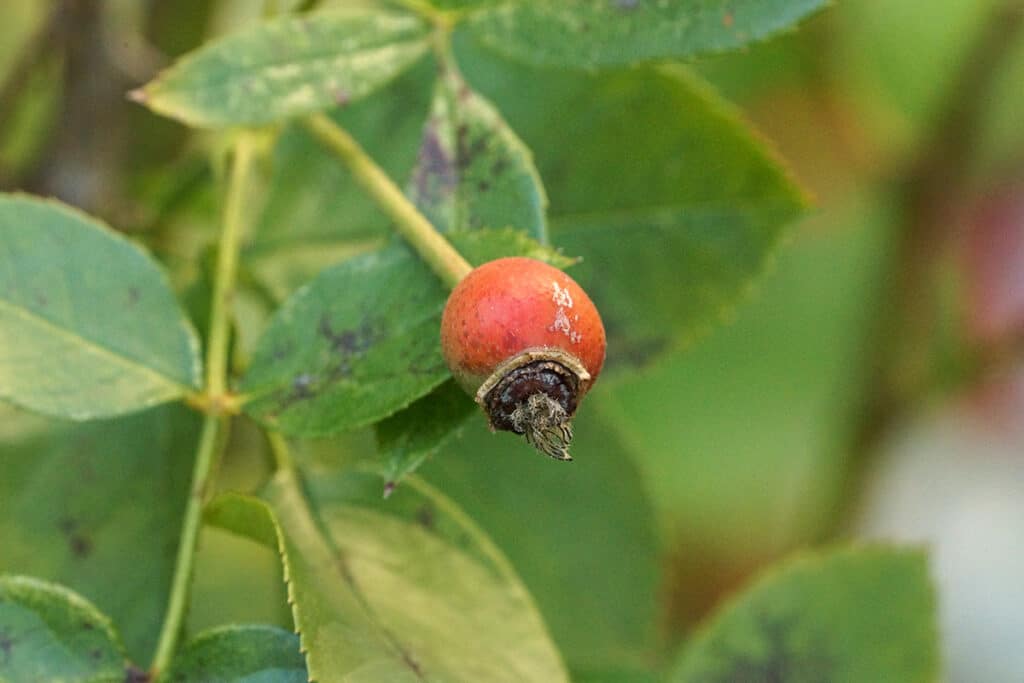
point(526, 340)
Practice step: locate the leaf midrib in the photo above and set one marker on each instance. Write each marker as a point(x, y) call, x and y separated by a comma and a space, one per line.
point(304, 507)
point(302, 61)
point(118, 358)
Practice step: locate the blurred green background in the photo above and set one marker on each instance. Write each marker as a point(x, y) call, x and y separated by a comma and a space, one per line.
point(871, 385)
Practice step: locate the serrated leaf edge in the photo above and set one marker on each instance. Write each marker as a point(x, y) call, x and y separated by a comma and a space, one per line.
point(509, 6)
point(282, 553)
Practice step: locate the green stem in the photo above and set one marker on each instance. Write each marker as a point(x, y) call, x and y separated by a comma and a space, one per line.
point(214, 422)
point(178, 601)
point(433, 248)
point(227, 270)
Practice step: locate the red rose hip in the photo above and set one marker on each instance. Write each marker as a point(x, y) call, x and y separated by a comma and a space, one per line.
point(527, 341)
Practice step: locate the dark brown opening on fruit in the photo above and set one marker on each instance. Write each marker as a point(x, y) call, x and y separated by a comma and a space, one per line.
point(537, 400)
point(550, 378)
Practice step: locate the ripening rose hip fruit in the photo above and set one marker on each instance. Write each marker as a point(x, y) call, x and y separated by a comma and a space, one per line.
point(528, 343)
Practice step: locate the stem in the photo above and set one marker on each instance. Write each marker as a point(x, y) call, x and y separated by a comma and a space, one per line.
point(178, 601)
point(215, 421)
point(227, 270)
point(433, 248)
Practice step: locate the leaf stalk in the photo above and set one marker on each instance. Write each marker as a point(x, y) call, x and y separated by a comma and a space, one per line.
point(437, 252)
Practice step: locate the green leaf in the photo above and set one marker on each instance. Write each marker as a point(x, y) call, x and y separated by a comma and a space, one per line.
point(750, 441)
point(88, 324)
point(353, 346)
point(288, 67)
point(581, 535)
point(406, 439)
point(362, 340)
point(848, 616)
point(673, 204)
point(98, 507)
point(604, 33)
point(371, 581)
point(239, 654)
point(473, 172)
point(48, 633)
